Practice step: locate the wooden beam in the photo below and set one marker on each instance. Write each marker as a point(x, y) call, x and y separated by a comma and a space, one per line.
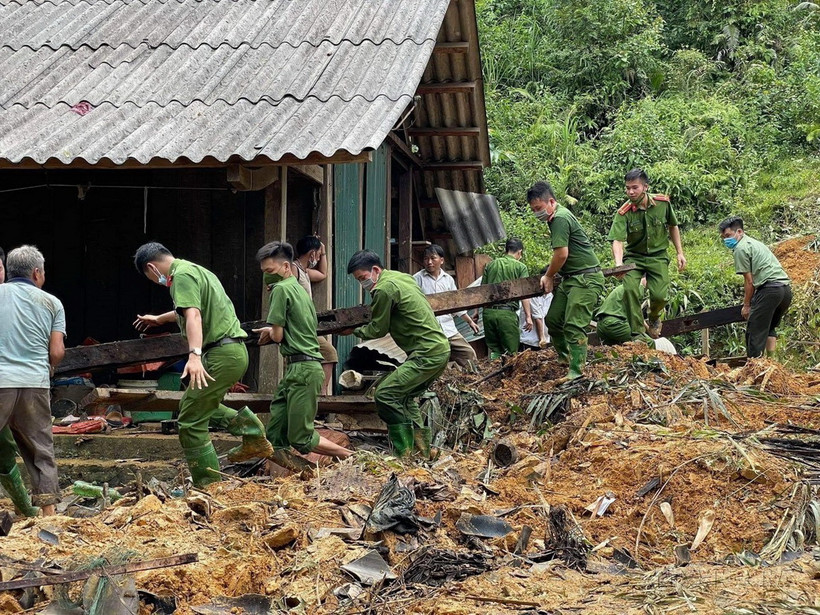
point(445, 131)
point(313, 172)
point(429, 204)
point(129, 352)
point(704, 320)
point(458, 47)
point(451, 87)
point(404, 149)
point(60, 578)
point(453, 166)
point(151, 400)
point(246, 179)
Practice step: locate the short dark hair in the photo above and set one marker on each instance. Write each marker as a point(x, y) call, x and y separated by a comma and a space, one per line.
point(307, 244)
point(513, 245)
point(147, 252)
point(637, 174)
point(281, 250)
point(434, 250)
point(363, 260)
point(732, 222)
point(540, 190)
point(2, 256)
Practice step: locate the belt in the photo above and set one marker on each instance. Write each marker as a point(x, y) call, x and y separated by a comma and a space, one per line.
point(502, 307)
point(581, 272)
point(772, 284)
point(300, 358)
point(223, 342)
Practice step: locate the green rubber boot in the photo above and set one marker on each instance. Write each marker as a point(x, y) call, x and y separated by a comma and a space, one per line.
point(559, 342)
point(201, 460)
point(422, 440)
point(401, 437)
point(12, 484)
point(254, 443)
point(577, 360)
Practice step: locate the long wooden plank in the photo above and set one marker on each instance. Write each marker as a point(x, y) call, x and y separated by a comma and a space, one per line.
point(704, 320)
point(129, 352)
point(108, 571)
point(150, 400)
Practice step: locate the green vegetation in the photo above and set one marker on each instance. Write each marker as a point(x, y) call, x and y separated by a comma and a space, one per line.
point(718, 101)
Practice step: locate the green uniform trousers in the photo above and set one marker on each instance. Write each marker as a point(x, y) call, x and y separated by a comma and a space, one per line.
point(200, 407)
point(293, 407)
point(573, 303)
point(613, 330)
point(502, 332)
point(656, 269)
point(396, 395)
point(8, 450)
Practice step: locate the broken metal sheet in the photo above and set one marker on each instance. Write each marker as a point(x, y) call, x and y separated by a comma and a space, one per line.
point(348, 591)
point(48, 537)
point(439, 566)
point(472, 218)
point(369, 569)
point(394, 509)
point(601, 505)
point(483, 526)
point(161, 605)
point(250, 604)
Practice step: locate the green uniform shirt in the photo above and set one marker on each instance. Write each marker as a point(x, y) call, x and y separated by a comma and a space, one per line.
point(566, 232)
point(503, 269)
point(193, 286)
point(613, 304)
point(400, 308)
point(753, 256)
point(292, 309)
point(644, 231)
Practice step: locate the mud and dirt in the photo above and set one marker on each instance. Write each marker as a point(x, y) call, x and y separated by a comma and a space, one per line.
point(675, 441)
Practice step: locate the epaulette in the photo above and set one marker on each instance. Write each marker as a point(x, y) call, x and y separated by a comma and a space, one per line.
point(660, 197)
point(626, 208)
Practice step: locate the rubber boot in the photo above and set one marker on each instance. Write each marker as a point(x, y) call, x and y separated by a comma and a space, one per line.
point(560, 345)
point(201, 460)
point(292, 462)
point(254, 443)
point(401, 437)
point(12, 484)
point(577, 360)
point(422, 439)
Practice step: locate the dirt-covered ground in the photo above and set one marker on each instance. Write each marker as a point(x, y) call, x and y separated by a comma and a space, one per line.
point(679, 444)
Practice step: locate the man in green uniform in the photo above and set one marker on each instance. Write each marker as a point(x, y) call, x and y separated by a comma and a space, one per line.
point(400, 308)
point(582, 282)
point(612, 320)
point(217, 359)
point(767, 288)
point(645, 224)
point(292, 317)
point(501, 327)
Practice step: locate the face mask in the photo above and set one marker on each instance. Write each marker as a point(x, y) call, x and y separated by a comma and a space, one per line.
point(273, 278)
point(730, 242)
point(542, 215)
point(162, 279)
point(367, 284)
point(313, 262)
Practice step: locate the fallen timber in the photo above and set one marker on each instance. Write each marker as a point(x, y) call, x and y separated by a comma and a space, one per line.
point(80, 359)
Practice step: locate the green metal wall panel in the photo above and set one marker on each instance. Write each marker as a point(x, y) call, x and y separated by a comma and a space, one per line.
point(347, 238)
point(375, 218)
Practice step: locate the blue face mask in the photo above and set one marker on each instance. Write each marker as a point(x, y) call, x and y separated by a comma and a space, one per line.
point(162, 279)
point(730, 242)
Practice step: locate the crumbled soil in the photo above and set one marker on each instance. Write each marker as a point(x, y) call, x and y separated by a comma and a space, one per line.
point(801, 264)
point(641, 416)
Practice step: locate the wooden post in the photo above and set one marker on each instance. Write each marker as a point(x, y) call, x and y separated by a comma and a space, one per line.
point(276, 217)
point(323, 291)
point(405, 237)
point(704, 342)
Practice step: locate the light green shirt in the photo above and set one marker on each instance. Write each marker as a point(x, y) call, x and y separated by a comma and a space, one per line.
point(292, 309)
point(613, 304)
point(566, 232)
point(503, 269)
point(193, 286)
point(645, 232)
point(753, 256)
point(400, 308)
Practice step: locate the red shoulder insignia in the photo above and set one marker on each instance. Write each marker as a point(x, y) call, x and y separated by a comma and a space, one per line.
point(626, 208)
point(660, 197)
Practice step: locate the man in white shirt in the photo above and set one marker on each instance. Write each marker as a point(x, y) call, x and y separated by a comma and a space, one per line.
point(433, 279)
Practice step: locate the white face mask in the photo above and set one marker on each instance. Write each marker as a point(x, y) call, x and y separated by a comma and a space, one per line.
point(542, 215)
point(368, 283)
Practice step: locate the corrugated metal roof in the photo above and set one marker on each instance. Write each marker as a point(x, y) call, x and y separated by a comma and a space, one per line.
point(472, 218)
point(217, 79)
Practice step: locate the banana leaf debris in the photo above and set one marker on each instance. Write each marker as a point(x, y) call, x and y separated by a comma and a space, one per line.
point(702, 481)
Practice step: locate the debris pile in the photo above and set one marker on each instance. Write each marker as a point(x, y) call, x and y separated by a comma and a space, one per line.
point(657, 482)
